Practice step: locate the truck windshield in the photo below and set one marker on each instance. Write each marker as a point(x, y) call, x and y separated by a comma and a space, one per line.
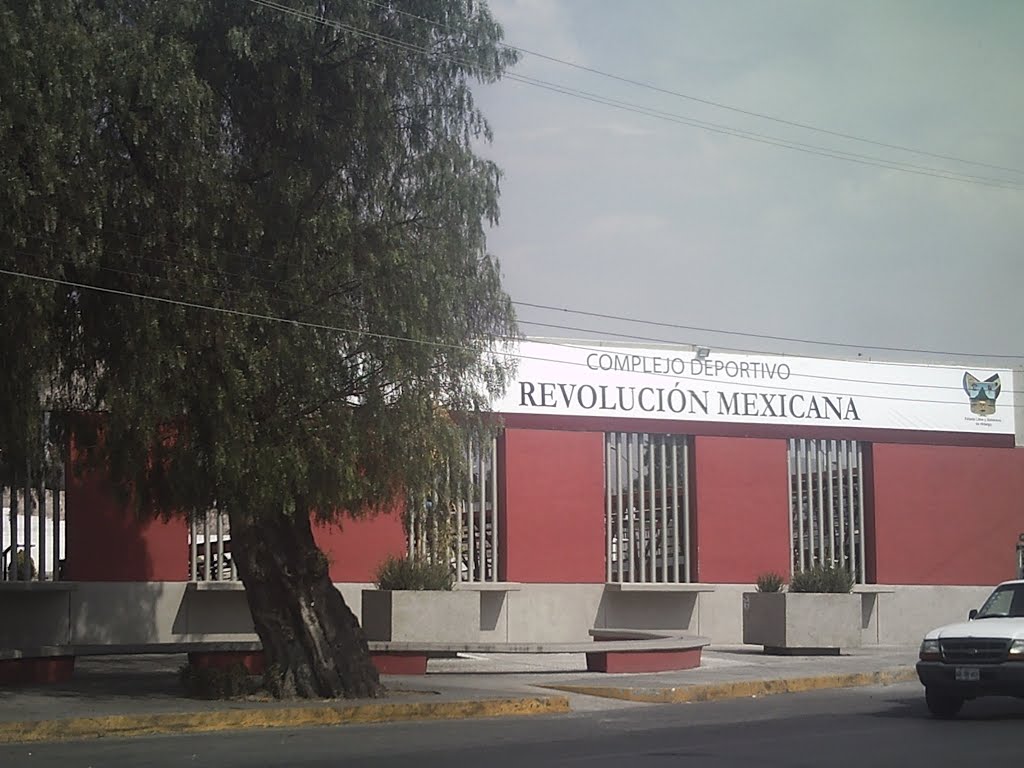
point(1006, 601)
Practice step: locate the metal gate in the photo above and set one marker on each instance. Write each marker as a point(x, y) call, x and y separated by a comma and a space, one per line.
point(467, 537)
point(647, 507)
point(827, 504)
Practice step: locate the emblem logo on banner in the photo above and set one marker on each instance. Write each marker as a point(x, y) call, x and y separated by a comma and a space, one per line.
point(983, 394)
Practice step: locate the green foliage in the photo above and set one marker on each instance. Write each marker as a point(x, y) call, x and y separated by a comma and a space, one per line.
point(216, 683)
point(770, 582)
point(16, 568)
point(822, 578)
point(402, 573)
point(221, 153)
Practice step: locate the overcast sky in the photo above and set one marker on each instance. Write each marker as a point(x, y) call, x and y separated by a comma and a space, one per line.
point(609, 211)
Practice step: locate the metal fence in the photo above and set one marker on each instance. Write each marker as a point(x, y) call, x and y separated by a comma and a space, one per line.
point(209, 547)
point(647, 508)
point(467, 538)
point(32, 540)
point(476, 516)
point(827, 504)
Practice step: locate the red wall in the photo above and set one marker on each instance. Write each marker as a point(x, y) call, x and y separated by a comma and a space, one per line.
point(552, 523)
point(742, 509)
point(946, 515)
point(107, 541)
point(355, 548)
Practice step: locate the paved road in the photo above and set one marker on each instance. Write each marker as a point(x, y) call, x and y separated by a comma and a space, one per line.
point(857, 727)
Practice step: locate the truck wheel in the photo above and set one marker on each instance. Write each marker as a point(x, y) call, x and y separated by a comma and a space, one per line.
point(942, 705)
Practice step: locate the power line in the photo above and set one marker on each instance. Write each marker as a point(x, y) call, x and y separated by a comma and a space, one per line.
point(659, 114)
point(301, 307)
point(273, 284)
point(437, 344)
point(811, 149)
point(766, 336)
point(719, 105)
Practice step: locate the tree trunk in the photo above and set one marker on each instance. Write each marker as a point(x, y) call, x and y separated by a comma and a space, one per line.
point(313, 644)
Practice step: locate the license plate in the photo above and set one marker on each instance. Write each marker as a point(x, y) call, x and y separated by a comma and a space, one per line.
point(967, 674)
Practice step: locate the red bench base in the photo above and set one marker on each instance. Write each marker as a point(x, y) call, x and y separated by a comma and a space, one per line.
point(626, 662)
point(399, 663)
point(253, 661)
point(51, 669)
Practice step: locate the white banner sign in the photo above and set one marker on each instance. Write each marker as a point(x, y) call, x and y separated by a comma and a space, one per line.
point(562, 379)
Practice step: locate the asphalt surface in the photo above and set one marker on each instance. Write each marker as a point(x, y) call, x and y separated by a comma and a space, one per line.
point(873, 726)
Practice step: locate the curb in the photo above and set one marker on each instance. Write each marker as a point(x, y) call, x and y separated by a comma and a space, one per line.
point(121, 726)
point(743, 689)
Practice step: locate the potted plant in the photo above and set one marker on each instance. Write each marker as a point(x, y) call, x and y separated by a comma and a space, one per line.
point(16, 569)
point(817, 614)
point(414, 602)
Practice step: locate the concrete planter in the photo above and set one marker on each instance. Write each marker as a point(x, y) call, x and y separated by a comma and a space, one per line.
point(802, 622)
point(421, 616)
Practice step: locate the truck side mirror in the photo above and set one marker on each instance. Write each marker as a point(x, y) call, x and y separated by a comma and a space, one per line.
point(973, 614)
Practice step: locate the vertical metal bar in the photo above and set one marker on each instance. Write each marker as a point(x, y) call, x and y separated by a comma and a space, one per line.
point(789, 492)
point(664, 512)
point(12, 571)
point(458, 537)
point(220, 543)
point(494, 509)
point(819, 506)
point(642, 510)
point(860, 514)
point(26, 534)
point(620, 440)
point(850, 506)
point(686, 509)
point(829, 460)
point(41, 531)
point(837, 480)
point(206, 545)
point(607, 508)
point(799, 502)
point(57, 538)
point(652, 500)
point(482, 532)
point(676, 543)
point(809, 490)
point(632, 527)
point(470, 527)
point(193, 555)
point(234, 566)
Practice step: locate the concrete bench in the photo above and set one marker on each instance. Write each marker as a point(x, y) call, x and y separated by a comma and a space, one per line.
point(611, 651)
point(621, 651)
point(56, 663)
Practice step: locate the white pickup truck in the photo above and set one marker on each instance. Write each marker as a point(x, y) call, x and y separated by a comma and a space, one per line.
point(983, 656)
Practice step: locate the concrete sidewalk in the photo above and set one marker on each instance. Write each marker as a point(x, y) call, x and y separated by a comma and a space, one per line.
point(140, 695)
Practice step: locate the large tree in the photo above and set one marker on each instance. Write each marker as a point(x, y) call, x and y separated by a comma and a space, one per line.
point(237, 163)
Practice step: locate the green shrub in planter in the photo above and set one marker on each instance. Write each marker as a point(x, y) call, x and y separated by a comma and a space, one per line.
point(770, 582)
point(822, 578)
point(16, 570)
point(401, 573)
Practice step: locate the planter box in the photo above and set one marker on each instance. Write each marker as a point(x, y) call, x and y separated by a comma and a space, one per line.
point(802, 622)
point(421, 616)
